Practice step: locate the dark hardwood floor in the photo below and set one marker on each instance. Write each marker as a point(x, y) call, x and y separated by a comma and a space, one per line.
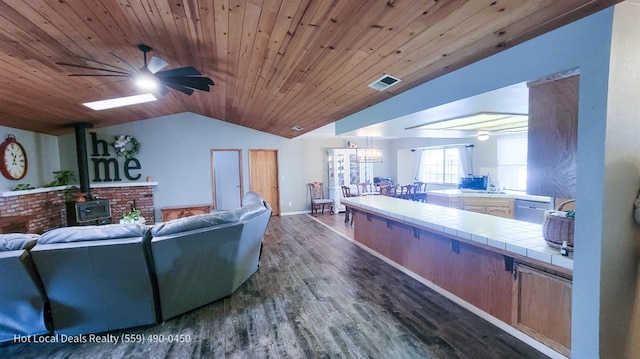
point(316, 295)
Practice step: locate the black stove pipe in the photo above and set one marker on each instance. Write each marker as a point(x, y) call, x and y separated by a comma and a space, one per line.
point(81, 153)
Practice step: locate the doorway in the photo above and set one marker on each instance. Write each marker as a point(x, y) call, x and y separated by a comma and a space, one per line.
point(226, 175)
point(263, 176)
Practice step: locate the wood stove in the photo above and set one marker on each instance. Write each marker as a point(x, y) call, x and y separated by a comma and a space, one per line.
point(89, 213)
point(93, 211)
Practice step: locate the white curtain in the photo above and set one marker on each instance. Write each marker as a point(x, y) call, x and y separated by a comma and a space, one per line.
point(466, 160)
point(418, 171)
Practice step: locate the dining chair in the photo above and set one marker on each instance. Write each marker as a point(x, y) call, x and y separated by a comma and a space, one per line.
point(346, 192)
point(409, 192)
point(390, 191)
point(421, 192)
point(365, 188)
point(318, 200)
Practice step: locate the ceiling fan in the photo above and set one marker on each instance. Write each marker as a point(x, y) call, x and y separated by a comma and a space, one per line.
point(149, 77)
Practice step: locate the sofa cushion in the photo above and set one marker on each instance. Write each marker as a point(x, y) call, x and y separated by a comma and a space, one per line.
point(17, 241)
point(194, 222)
point(249, 210)
point(92, 233)
point(252, 198)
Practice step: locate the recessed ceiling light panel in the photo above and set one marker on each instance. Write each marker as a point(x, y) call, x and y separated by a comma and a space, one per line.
point(485, 121)
point(120, 101)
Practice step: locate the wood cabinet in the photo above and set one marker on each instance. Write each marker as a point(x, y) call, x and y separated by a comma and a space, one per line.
point(552, 138)
point(345, 170)
point(501, 207)
point(541, 307)
point(169, 213)
point(447, 201)
point(474, 274)
point(530, 296)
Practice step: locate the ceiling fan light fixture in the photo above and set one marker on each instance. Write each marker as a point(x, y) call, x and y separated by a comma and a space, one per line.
point(120, 102)
point(146, 81)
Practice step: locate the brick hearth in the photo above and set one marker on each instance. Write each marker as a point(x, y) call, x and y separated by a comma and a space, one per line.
point(45, 209)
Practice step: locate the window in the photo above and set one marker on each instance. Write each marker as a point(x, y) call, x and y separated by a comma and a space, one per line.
point(512, 163)
point(439, 165)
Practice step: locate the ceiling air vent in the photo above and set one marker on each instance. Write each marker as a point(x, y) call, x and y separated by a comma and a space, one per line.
point(384, 82)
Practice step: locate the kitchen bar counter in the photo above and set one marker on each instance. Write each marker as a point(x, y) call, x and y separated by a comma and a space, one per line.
point(487, 194)
point(499, 268)
point(521, 238)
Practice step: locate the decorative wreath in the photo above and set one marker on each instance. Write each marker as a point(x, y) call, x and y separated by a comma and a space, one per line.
point(126, 146)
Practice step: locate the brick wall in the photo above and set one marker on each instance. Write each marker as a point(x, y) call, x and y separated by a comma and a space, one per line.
point(121, 199)
point(46, 210)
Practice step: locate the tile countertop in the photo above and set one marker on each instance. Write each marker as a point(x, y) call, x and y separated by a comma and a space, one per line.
point(477, 193)
point(518, 237)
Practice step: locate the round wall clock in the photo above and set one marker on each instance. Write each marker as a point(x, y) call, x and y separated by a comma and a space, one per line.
point(13, 164)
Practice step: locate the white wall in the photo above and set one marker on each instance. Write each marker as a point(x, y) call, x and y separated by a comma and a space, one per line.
point(42, 157)
point(619, 311)
point(175, 152)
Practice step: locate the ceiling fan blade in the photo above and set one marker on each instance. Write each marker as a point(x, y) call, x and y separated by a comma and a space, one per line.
point(135, 69)
point(99, 75)
point(93, 68)
point(156, 64)
point(103, 64)
point(180, 71)
point(196, 82)
point(184, 90)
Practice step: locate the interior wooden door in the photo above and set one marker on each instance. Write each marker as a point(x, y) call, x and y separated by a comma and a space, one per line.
point(263, 176)
point(226, 174)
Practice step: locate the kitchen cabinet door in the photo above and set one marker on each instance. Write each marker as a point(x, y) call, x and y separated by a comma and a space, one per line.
point(552, 139)
point(479, 209)
point(447, 201)
point(505, 212)
point(541, 307)
point(501, 207)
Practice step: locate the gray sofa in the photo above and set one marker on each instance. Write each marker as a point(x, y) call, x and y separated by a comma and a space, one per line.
point(103, 278)
point(97, 278)
point(200, 259)
point(23, 302)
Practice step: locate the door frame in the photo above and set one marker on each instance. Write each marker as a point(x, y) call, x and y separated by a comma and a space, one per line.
point(213, 172)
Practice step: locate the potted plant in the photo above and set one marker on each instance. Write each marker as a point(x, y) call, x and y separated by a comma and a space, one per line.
point(61, 178)
point(132, 217)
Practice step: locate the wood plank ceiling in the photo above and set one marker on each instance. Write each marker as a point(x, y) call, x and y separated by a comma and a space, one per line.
point(276, 63)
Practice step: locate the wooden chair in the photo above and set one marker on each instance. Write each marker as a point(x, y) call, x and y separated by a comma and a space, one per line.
point(318, 200)
point(365, 188)
point(389, 191)
point(408, 192)
point(346, 192)
point(421, 192)
point(403, 192)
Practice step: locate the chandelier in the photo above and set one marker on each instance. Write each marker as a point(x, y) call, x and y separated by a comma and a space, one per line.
point(368, 154)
